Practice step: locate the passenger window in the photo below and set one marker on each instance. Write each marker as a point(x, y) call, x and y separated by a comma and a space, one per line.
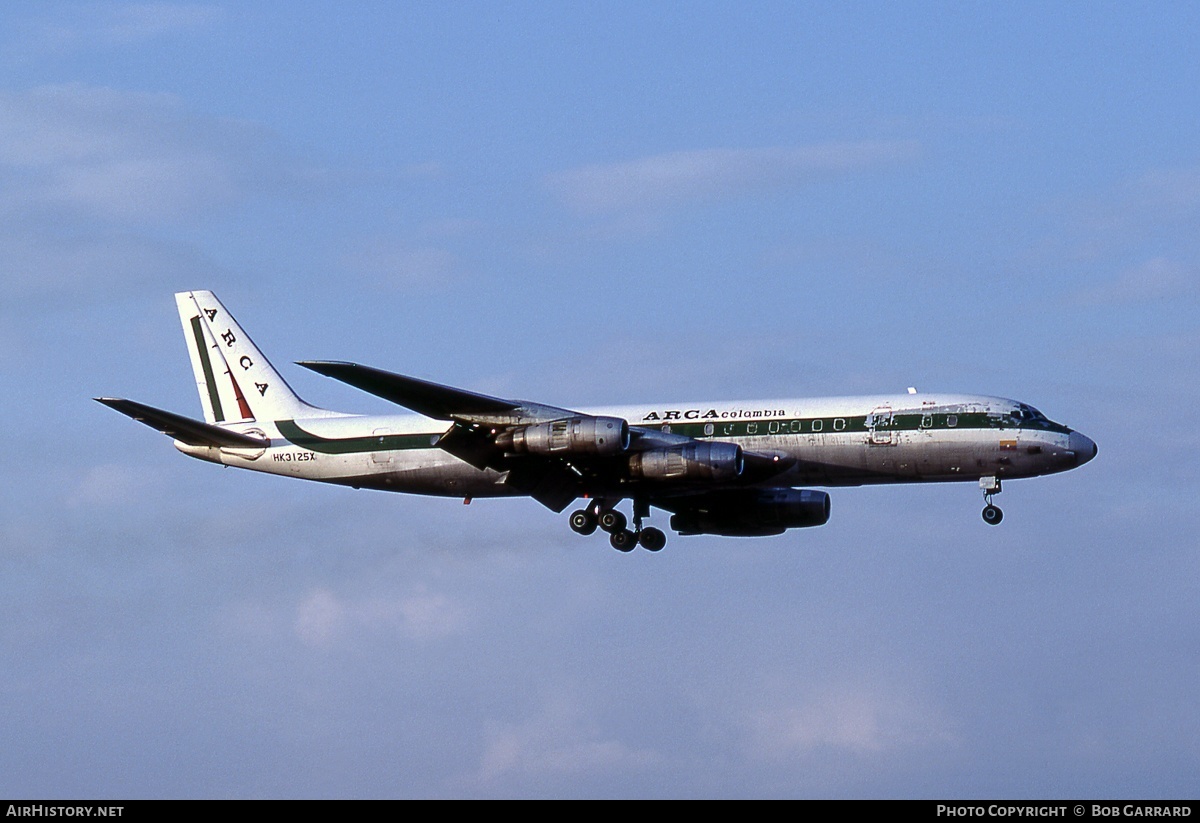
point(818, 425)
point(839, 424)
point(751, 428)
point(926, 421)
point(708, 429)
point(952, 420)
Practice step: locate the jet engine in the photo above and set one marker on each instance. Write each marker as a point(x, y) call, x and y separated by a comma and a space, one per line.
point(751, 512)
point(574, 435)
point(692, 461)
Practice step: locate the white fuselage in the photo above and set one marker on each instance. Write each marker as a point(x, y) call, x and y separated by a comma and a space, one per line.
point(833, 441)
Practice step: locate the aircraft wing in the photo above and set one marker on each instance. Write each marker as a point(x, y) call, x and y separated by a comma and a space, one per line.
point(479, 421)
point(552, 454)
point(183, 429)
point(433, 399)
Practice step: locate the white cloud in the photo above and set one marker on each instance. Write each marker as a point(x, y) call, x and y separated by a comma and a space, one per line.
point(111, 485)
point(394, 265)
point(1156, 279)
point(322, 618)
point(1169, 190)
point(422, 615)
point(127, 156)
point(853, 718)
point(557, 742)
point(40, 265)
point(421, 258)
point(117, 26)
point(1149, 213)
point(709, 174)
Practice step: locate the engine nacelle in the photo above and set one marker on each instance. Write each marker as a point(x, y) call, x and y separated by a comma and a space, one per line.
point(574, 435)
point(692, 461)
point(754, 512)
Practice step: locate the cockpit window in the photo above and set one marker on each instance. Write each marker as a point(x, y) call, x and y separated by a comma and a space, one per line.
point(1029, 417)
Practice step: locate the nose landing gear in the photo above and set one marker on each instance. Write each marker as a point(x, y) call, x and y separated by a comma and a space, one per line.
point(992, 515)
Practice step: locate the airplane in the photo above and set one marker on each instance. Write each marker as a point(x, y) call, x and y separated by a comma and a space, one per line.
point(721, 468)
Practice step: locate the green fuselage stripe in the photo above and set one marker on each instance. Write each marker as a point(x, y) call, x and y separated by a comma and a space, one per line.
point(898, 421)
point(206, 366)
point(767, 427)
point(353, 445)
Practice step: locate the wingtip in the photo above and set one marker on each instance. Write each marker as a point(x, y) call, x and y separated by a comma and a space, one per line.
point(322, 366)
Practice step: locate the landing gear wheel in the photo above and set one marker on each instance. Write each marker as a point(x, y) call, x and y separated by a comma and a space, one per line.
point(991, 514)
point(582, 522)
point(652, 539)
point(612, 521)
point(623, 540)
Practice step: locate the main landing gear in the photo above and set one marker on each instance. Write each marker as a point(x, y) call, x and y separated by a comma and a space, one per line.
point(992, 515)
point(602, 515)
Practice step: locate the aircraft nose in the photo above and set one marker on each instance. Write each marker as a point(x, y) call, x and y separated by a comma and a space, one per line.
point(1083, 446)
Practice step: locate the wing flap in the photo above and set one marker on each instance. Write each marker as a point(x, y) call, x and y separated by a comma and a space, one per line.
point(471, 446)
point(551, 484)
point(183, 429)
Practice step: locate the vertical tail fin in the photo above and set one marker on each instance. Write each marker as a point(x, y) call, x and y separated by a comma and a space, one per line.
point(235, 380)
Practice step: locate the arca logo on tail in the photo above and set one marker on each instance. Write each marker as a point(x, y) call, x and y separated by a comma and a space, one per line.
point(225, 359)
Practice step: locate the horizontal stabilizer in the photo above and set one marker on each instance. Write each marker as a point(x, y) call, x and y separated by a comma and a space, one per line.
point(430, 399)
point(183, 429)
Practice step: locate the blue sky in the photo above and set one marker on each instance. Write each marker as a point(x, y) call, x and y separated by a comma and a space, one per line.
point(594, 203)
